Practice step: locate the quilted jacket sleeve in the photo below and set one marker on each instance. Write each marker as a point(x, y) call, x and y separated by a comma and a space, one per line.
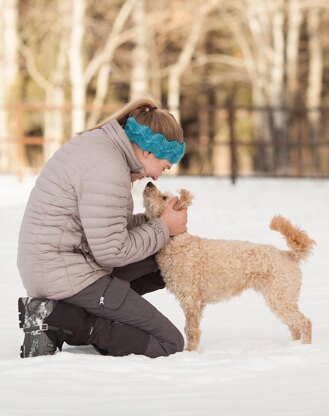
point(136, 220)
point(103, 193)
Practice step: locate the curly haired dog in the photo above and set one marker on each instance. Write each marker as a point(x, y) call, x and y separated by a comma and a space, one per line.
point(200, 270)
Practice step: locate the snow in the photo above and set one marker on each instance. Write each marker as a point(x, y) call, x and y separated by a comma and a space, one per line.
point(247, 363)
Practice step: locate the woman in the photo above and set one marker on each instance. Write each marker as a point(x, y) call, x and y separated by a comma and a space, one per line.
point(80, 243)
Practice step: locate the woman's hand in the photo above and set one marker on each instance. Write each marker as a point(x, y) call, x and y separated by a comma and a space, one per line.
point(136, 176)
point(175, 220)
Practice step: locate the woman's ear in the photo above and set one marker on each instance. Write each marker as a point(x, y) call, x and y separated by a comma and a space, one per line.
point(146, 154)
point(184, 201)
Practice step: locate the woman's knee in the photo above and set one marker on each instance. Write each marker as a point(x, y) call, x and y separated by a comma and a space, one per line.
point(163, 347)
point(180, 341)
point(118, 339)
point(177, 341)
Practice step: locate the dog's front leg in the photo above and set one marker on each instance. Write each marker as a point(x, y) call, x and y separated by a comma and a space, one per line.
point(193, 312)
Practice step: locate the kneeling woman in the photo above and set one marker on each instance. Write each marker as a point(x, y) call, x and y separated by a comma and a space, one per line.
point(84, 258)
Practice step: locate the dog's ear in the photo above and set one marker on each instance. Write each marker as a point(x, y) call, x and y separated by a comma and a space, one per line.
point(184, 201)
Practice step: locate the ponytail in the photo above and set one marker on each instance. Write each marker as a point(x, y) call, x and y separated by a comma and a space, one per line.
point(146, 112)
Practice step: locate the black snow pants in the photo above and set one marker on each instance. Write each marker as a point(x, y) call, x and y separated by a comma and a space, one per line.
point(111, 315)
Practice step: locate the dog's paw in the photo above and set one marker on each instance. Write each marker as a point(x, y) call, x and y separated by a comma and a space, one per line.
point(192, 347)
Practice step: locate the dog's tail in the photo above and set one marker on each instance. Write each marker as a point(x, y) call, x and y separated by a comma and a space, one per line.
point(300, 243)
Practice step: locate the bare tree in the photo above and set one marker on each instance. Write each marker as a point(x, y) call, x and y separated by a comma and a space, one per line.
point(55, 100)
point(101, 64)
point(76, 48)
point(50, 76)
point(245, 21)
point(142, 33)
point(139, 84)
point(8, 77)
point(259, 29)
point(295, 18)
point(185, 56)
point(315, 77)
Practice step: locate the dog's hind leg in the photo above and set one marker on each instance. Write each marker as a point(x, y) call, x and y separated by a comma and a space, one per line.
point(289, 313)
point(305, 325)
point(193, 313)
point(295, 333)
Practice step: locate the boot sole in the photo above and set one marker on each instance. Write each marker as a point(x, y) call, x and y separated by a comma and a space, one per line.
point(21, 320)
point(21, 312)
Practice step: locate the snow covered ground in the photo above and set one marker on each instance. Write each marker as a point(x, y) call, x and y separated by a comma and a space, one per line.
point(247, 365)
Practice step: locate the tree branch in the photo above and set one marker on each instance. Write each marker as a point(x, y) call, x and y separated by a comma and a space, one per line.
point(32, 68)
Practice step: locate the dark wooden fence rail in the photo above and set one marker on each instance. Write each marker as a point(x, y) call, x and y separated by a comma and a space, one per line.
point(295, 150)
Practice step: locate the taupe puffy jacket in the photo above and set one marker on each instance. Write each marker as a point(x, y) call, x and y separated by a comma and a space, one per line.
point(78, 223)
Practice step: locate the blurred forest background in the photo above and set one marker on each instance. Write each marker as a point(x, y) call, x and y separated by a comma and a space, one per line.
point(247, 79)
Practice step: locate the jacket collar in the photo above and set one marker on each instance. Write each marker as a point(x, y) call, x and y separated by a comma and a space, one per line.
point(113, 129)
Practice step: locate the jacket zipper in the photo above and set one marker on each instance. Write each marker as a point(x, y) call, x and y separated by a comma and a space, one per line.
point(107, 286)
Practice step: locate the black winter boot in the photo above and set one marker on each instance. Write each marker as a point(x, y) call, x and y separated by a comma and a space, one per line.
point(32, 313)
point(48, 324)
point(71, 324)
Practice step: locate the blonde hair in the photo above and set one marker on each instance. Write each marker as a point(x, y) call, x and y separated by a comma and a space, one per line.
point(146, 112)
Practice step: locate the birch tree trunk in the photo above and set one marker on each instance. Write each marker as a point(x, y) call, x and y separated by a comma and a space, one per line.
point(78, 86)
point(102, 86)
point(254, 43)
point(8, 77)
point(155, 76)
point(314, 82)
point(259, 55)
point(178, 69)
point(185, 57)
point(221, 150)
point(204, 133)
point(139, 84)
point(53, 121)
point(4, 128)
point(265, 21)
point(293, 35)
point(180, 66)
point(55, 97)
point(277, 90)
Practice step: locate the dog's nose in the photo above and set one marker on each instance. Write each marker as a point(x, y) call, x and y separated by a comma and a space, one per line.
point(149, 185)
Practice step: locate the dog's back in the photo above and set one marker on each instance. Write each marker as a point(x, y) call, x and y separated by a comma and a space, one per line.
point(220, 269)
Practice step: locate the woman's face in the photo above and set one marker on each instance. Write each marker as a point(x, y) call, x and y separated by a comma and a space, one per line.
point(153, 167)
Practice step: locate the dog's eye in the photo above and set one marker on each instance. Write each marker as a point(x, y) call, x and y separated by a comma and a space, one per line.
point(164, 197)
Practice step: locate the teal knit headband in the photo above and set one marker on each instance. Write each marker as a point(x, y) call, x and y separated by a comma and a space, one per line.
point(155, 143)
